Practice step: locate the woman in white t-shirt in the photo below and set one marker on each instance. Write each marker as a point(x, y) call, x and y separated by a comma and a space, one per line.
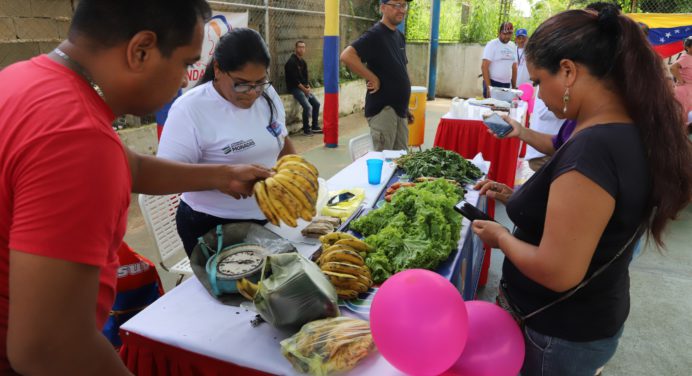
point(232, 116)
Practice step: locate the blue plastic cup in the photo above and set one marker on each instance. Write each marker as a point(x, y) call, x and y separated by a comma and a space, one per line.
point(374, 171)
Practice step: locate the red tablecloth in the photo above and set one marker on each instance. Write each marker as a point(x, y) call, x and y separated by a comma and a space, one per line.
point(146, 357)
point(468, 138)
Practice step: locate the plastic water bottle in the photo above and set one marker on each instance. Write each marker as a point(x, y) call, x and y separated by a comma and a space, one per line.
point(513, 108)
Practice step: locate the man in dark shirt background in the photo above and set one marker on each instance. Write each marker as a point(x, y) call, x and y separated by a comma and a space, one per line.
point(297, 84)
point(383, 49)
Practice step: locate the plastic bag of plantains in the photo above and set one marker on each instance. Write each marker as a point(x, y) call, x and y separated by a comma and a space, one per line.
point(294, 291)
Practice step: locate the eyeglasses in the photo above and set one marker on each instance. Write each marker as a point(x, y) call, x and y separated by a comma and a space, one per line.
point(398, 6)
point(246, 88)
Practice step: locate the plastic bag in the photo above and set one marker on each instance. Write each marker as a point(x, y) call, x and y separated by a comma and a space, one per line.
point(458, 108)
point(293, 291)
point(343, 208)
point(326, 346)
point(322, 194)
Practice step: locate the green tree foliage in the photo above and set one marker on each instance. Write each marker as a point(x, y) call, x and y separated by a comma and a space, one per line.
point(480, 23)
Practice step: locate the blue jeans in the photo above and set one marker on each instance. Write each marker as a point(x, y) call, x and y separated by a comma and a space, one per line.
point(309, 104)
point(493, 83)
point(192, 224)
point(638, 245)
point(552, 356)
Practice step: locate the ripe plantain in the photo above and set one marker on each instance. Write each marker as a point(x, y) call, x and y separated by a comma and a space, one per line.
point(337, 279)
point(346, 294)
point(343, 267)
point(365, 279)
point(288, 160)
point(355, 285)
point(301, 167)
point(282, 201)
point(357, 244)
point(307, 204)
point(290, 157)
point(264, 203)
point(246, 288)
point(343, 256)
point(331, 239)
point(333, 248)
point(303, 182)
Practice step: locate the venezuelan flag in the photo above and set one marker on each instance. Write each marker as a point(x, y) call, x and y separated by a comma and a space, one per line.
point(666, 30)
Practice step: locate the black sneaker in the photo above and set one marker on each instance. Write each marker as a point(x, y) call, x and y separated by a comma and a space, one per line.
point(307, 132)
point(316, 130)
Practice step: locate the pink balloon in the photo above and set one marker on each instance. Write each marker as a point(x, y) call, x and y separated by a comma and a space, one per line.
point(419, 322)
point(528, 97)
point(495, 345)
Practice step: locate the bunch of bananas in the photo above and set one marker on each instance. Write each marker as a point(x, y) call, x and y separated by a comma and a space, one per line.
point(291, 193)
point(343, 263)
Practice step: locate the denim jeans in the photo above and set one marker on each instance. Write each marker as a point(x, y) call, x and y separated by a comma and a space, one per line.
point(309, 104)
point(486, 93)
point(192, 224)
point(552, 356)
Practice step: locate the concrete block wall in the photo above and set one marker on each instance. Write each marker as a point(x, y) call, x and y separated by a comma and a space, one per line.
point(31, 27)
point(458, 67)
point(351, 99)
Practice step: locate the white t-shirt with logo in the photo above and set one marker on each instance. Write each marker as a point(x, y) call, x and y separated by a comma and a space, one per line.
point(203, 127)
point(542, 120)
point(522, 70)
point(501, 57)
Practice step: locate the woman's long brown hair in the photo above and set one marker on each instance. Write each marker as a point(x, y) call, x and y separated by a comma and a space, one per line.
point(615, 50)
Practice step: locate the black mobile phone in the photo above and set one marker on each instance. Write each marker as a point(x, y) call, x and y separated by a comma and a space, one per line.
point(498, 125)
point(471, 212)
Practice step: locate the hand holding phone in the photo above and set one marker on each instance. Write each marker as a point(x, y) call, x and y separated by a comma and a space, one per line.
point(471, 212)
point(498, 125)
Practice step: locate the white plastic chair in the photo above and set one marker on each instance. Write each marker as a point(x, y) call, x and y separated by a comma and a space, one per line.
point(360, 145)
point(159, 215)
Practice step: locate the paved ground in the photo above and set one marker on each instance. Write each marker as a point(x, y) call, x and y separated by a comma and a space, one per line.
point(658, 334)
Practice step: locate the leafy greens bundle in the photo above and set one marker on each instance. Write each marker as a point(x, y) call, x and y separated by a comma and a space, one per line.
point(439, 163)
point(418, 229)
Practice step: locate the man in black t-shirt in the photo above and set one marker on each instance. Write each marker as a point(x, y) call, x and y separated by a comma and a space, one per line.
point(383, 49)
point(298, 85)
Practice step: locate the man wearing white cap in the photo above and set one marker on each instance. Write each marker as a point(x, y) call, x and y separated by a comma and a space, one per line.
point(522, 71)
point(499, 65)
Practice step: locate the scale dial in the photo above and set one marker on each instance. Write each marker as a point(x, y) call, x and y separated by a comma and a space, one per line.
point(238, 263)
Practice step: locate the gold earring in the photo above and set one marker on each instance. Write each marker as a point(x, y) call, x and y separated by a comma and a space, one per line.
point(565, 101)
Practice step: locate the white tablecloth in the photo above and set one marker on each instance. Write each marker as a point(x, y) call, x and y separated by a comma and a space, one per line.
point(476, 112)
point(188, 317)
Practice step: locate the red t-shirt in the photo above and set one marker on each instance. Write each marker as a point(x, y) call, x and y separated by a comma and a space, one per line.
point(64, 177)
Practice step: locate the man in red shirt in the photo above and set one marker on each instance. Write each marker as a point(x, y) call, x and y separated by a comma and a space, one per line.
point(65, 177)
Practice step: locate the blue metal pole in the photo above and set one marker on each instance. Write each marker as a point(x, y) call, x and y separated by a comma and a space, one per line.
point(434, 38)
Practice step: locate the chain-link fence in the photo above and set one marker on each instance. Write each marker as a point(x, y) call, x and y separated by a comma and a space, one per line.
point(284, 22)
point(29, 28)
point(659, 6)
